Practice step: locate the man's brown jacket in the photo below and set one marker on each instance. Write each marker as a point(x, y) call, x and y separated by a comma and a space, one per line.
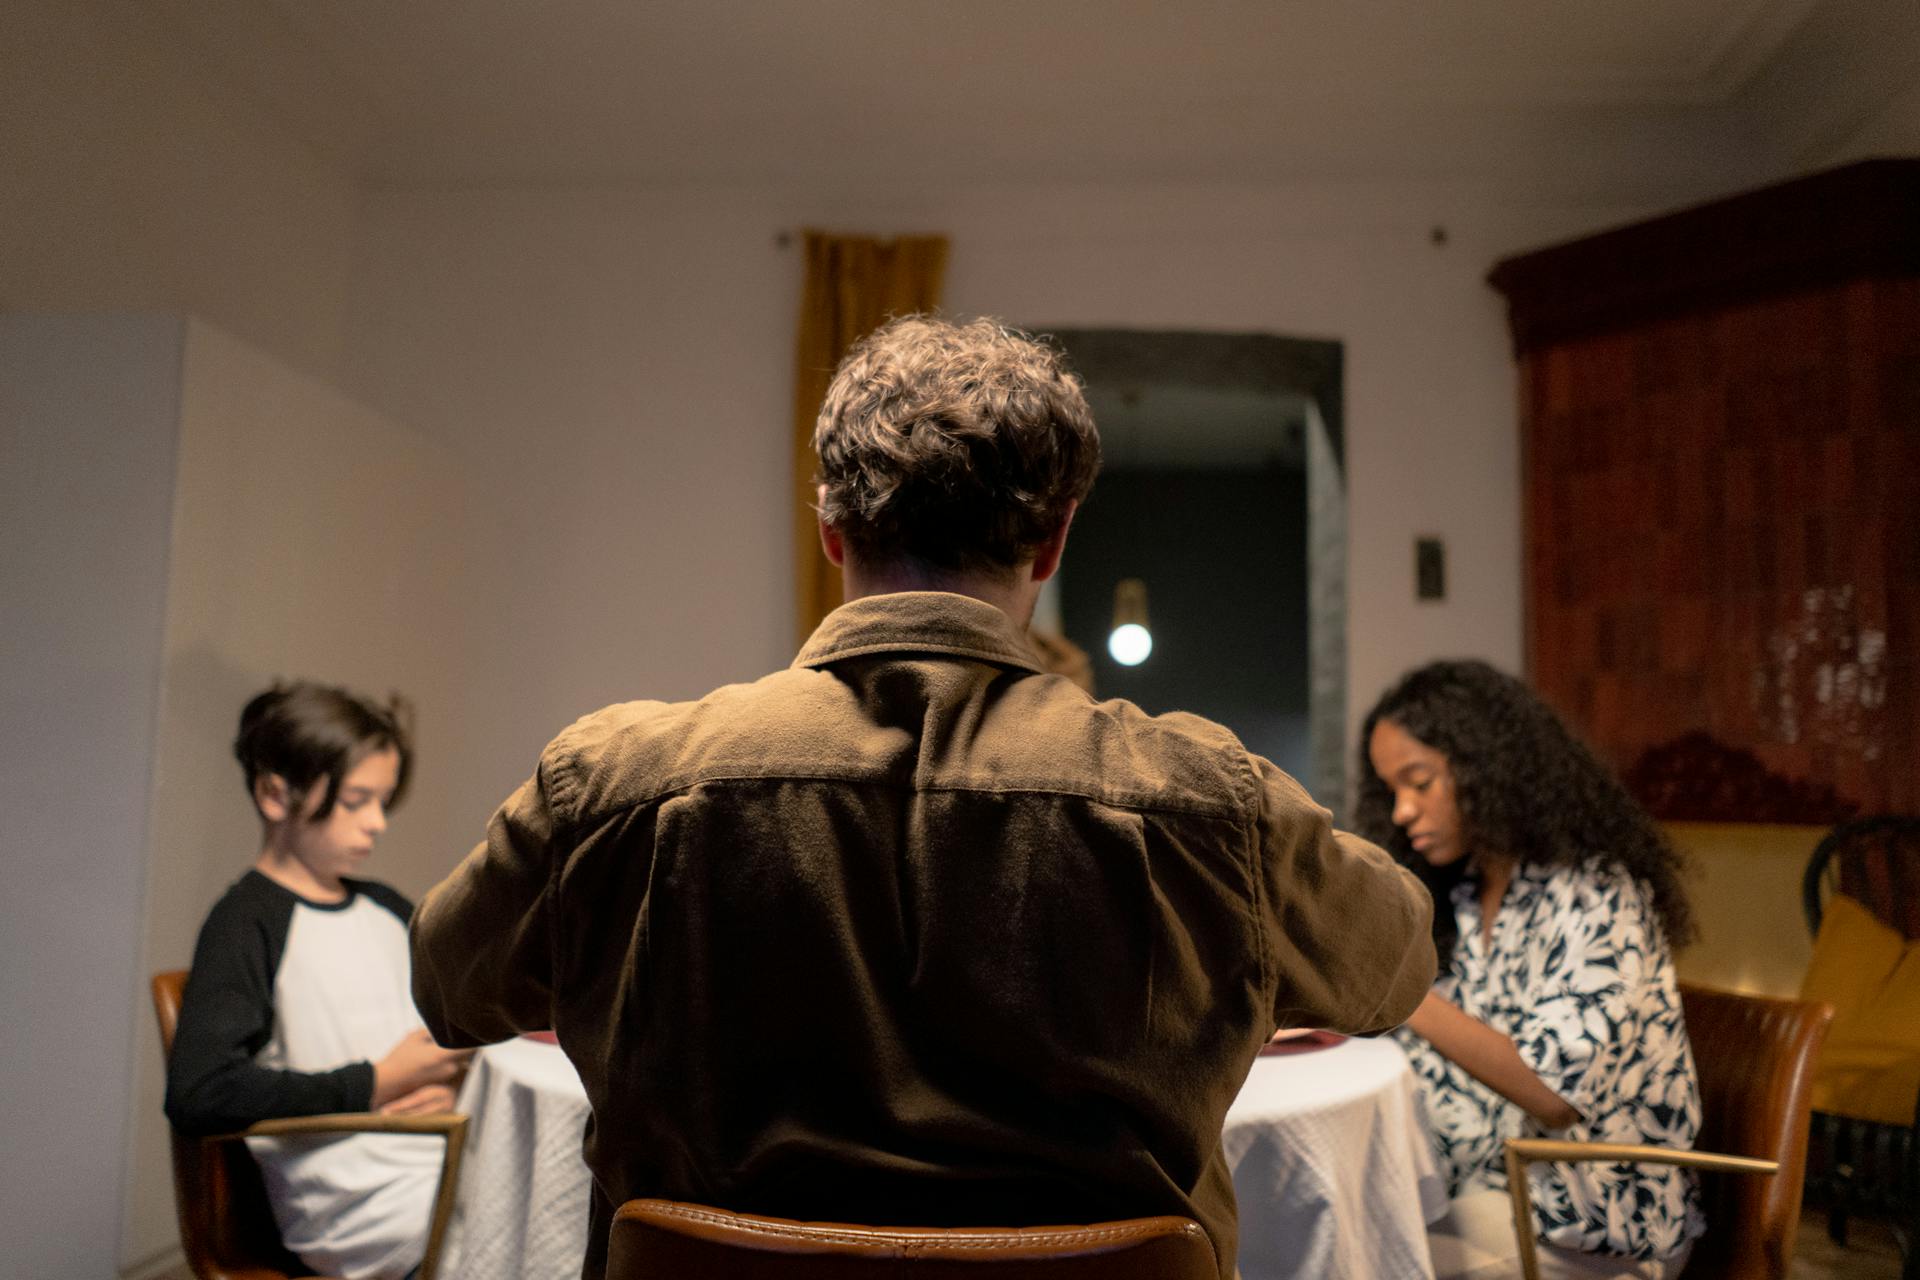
point(911, 933)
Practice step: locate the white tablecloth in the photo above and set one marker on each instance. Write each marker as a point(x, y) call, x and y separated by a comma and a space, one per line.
point(1332, 1166)
point(1333, 1172)
point(522, 1210)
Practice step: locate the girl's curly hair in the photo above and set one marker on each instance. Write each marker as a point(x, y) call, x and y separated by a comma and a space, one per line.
point(1525, 786)
point(959, 445)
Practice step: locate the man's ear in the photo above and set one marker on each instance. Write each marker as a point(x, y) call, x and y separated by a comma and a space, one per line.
point(1046, 561)
point(273, 797)
point(833, 544)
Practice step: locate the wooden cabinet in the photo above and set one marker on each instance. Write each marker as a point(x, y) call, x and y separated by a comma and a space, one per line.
point(1721, 423)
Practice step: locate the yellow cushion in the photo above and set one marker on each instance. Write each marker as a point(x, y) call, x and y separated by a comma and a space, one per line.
point(1852, 958)
point(1899, 999)
point(1870, 1066)
point(1868, 1082)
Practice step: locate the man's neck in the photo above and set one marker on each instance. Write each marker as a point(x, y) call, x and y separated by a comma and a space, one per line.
point(1013, 595)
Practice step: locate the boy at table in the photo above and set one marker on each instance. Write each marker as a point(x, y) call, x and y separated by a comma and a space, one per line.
point(298, 1004)
point(910, 932)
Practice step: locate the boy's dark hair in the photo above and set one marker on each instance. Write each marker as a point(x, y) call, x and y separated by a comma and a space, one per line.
point(305, 732)
point(959, 446)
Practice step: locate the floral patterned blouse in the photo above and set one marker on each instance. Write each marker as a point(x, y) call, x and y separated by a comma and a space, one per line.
point(1579, 976)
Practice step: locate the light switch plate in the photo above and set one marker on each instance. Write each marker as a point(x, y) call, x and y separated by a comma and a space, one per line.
point(1429, 569)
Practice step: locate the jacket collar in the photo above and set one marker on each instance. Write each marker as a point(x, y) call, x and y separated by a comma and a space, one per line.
point(918, 622)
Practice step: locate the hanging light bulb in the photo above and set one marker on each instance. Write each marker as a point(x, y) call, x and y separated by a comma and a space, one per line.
point(1130, 642)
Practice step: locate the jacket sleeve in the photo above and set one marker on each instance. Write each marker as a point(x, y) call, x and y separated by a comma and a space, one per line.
point(1349, 929)
point(226, 1016)
point(482, 939)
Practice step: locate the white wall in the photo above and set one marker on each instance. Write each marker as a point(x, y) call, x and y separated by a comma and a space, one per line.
point(87, 414)
point(620, 362)
point(1430, 437)
point(133, 181)
point(619, 370)
point(311, 538)
point(136, 180)
point(186, 519)
point(1892, 131)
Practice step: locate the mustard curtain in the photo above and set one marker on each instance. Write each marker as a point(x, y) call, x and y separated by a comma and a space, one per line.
point(854, 284)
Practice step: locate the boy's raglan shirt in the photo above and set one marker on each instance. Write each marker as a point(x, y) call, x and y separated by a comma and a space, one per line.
point(288, 1005)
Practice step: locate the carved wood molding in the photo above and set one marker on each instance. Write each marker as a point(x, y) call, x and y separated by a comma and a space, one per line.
point(1858, 220)
point(1698, 778)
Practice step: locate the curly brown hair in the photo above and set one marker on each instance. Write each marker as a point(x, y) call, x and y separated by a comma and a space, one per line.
point(958, 445)
point(1524, 784)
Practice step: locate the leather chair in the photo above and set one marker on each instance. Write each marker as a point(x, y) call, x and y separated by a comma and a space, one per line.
point(1755, 1057)
point(226, 1225)
point(668, 1240)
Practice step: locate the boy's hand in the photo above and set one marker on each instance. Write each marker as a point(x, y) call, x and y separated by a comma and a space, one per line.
point(413, 1064)
point(431, 1099)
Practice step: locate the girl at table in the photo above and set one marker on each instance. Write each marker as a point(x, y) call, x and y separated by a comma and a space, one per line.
point(1556, 904)
point(299, 1002)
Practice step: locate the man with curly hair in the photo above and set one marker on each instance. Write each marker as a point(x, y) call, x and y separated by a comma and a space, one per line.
point(910, 932)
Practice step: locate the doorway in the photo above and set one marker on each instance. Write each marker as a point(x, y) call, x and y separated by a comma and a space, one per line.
point(1223, 494)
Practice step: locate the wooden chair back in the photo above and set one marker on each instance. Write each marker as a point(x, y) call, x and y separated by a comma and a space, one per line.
point(665, 1238)
point(226, 1224)
point(1876, 862)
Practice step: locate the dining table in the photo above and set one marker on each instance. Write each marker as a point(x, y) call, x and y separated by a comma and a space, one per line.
point(521, 1210)
point(1331, 1164)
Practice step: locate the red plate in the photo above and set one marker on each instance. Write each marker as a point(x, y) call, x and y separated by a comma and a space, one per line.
point(1300, 1042)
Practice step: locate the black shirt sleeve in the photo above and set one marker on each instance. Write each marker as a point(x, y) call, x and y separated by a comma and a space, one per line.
point(226, 1015)
point(387, 896)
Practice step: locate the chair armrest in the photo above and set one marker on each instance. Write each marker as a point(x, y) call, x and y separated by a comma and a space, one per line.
point(1523, 1151)
point(1529, 1150)
point(446, 1122)
point(450, 1125)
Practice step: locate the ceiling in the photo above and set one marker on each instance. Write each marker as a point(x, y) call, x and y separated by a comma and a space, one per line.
point(1559, 92)
point(1171, 427)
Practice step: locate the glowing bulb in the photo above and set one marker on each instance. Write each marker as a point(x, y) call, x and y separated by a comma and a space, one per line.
point(1130, 644)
